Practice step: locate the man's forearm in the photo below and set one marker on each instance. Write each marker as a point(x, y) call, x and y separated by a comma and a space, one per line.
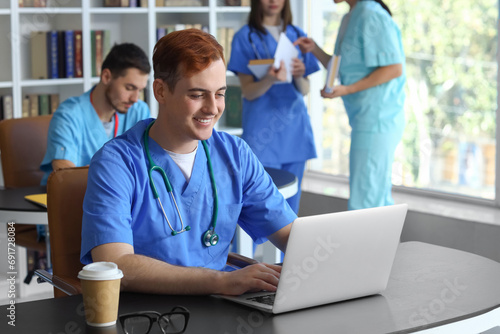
point(148, 275)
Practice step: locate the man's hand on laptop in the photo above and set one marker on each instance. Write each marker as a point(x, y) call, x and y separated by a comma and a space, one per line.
point(256, 277)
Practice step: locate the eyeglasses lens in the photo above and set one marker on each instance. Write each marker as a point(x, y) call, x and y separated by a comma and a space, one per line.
point(137, 325)
point(173, 323)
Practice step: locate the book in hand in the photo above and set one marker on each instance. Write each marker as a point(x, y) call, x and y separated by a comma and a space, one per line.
point(333, 71)
point(284, 51)
point(260, 67)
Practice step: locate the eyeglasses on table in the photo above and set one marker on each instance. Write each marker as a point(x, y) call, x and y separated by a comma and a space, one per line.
point(171, 322)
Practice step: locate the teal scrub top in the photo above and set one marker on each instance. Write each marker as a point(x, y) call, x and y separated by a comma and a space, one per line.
point(76, 132)
point(276, 125)
point(372, 39)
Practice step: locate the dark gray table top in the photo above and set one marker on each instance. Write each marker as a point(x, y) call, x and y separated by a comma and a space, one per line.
point(13, 199)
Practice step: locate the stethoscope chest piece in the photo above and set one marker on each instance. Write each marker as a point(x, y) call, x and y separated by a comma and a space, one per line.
point(210, 238)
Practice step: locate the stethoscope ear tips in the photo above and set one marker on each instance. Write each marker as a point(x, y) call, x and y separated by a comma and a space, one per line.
point(174, 233)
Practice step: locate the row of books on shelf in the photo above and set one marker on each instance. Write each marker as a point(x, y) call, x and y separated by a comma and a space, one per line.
point(32, 3)
point(168, 28)
point(32, 105)
point(178, 3)
point(107, 3)
point(192, 3)
point(58, 54)
point(134, 3)
point(224, 34)
point(237, 2)
point(125, 3)
point(158, 3)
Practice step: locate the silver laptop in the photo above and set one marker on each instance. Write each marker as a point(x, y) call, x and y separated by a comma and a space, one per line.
point(334, 257)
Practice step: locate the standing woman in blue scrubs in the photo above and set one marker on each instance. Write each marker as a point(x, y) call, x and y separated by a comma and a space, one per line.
point(372, 76)
point(275, 121)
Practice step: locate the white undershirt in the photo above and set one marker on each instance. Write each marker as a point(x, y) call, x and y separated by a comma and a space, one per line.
point(184, 161)
point(275, 31)
point(108, 127)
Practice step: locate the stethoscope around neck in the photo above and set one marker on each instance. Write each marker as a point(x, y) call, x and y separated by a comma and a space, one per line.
point(210, 238)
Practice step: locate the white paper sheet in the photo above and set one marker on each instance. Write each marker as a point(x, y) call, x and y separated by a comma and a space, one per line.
point(286, 52)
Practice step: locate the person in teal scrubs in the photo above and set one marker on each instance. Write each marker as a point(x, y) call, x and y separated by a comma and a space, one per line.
point(276, 124)
point(82, 124)
point(372, 76)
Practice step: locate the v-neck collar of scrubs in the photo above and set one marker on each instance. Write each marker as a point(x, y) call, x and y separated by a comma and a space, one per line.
point(187, 190)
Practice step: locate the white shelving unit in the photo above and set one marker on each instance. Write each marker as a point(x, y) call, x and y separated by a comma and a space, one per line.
point(134, 25)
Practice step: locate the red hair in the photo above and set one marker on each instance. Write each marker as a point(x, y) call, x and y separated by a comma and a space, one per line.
point(184, 53)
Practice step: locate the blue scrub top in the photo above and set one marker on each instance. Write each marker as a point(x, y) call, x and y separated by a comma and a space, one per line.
point(119, 205)
point(76, 132)
point(372, 39)
point(275, 125)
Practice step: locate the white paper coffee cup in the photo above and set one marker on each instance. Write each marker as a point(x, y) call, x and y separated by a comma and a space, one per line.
point(101, 292)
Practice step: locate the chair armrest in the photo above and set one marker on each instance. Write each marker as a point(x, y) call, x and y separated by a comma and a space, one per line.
point(239, 261)
point(68, 285)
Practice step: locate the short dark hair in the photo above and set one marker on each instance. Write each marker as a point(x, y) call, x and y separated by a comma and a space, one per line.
point(184, 52)
point(256, 16)
point(121, 57)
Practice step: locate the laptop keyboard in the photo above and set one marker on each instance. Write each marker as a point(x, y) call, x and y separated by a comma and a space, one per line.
point(266, 299)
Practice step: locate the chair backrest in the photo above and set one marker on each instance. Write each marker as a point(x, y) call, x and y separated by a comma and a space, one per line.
point(23, 142)
point(65, 192)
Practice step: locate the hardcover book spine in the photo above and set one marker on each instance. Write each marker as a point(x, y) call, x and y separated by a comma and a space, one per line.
point(54, 102)
point(39, 55)
point(61, 54)
point(98, 52)
point(8, 110)
point(78, 54)
point(43, 104)
point(33, 104)
point(106, 43)
point(70, 53)
point(52, 48)
point(93, 52)
point(26, 106)
point(233, 106)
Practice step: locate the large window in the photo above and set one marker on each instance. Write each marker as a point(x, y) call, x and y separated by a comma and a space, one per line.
point(449, 141)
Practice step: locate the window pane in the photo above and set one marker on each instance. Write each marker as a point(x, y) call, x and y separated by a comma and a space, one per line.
point(451, 97)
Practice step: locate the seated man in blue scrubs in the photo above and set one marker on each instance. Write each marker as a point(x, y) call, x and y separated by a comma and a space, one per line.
point(82, 124)
point(180, 246)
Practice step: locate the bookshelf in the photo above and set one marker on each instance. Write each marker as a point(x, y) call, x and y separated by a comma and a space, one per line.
point(125, 24)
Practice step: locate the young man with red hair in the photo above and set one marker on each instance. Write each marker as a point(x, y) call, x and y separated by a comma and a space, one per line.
point(163, 200)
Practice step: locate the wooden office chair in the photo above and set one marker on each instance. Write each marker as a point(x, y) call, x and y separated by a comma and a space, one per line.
point(65, 192)
point(23, 142)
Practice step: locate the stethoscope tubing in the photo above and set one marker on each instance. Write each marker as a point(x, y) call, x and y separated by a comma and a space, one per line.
point(154, 167)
